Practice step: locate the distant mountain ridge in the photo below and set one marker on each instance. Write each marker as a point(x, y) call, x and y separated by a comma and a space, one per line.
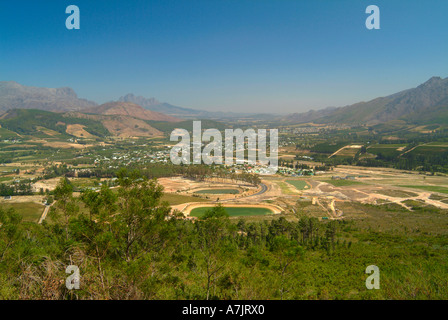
point(181, 112)
point(16, 96)
point(309, 116)
point(426, 103)
point(157, 106)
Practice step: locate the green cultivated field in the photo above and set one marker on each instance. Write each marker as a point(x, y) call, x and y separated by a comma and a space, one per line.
point(233, 211)
point(3, 179)
point(392, 145)
point(387, 150)
point(6, 134)
point(438, 144)
point(218, 191)
point(343, 183)
point(430, 149)
point(429, 188)
point(30, 211)
point(285, 187)
point(396, 193)
point(174, 199)
point(299, 184)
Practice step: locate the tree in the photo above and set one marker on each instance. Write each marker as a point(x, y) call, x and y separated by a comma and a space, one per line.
point(63, 194)
point(97, 231)
point(10, 231)
point(212, 242)
point(141, 213)
point(286, 251)
point(330, 234)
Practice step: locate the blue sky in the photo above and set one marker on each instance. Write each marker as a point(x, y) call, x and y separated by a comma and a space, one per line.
point(228, 55)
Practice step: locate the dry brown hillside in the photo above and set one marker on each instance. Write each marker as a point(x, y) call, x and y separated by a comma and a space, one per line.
point(120, 126)
point(129, 109)
point(125, 127)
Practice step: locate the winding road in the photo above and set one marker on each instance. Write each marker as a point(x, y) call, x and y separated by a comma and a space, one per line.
point(264, 188)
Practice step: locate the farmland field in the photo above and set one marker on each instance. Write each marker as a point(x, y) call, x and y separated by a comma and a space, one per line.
point(299, 184)
point(285, 188)
point(30, 211)
point(218, 191)
point(429, 188)
point(174, 199)
point(233, 211)
point(342, 183)
point(430, 149)
point(438, 144)
point(387, 150)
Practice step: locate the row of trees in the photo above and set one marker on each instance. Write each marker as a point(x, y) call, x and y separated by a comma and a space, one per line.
point(159, 170)
point(20, 188)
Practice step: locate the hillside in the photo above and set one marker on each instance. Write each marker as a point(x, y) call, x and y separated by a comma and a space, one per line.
point(37, 122)
point(131, 110)
point(16, 96)
point(309, 116)
point(40, 123)
point(426, 103)
point(120, 125)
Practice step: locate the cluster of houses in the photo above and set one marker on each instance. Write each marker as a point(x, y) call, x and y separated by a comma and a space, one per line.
point(12, 141)
point(348, 177)
point(312, 129)
point(140, 156)
point(297, 172)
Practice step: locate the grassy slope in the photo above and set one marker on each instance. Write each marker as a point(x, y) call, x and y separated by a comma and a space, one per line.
point(299, 184)
point(32, 122)
point(29, 210)
point(175, 199)
point(428, 188)
point(233, 212)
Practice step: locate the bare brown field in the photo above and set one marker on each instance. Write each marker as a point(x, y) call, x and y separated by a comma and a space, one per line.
point(67, 145)
point(77, 130)
point(130, 127)
point(49, 184)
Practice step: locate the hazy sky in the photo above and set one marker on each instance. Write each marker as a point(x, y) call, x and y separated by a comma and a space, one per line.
point(233, 55)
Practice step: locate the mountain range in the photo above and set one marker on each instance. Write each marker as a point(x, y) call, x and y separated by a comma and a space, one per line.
point(16, 96)
point(427, 103)
point(185, 113)
point(153, 104)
